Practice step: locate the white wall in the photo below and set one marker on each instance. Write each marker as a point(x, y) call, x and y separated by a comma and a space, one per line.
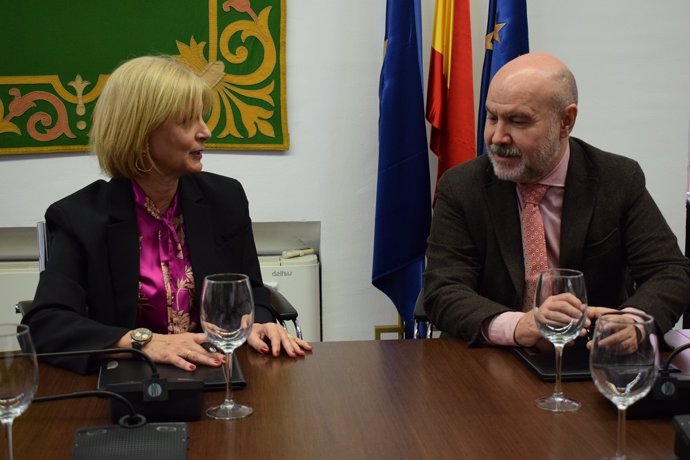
point(633, 69)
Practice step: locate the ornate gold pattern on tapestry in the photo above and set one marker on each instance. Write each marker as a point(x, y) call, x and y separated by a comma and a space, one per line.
point(244, 98)
point(237, 90)
point(36, 101)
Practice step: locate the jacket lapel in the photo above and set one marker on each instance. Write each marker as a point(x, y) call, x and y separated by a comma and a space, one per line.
point(123, 250)
point(502, 204)
point(578, 206)
point(199, 230)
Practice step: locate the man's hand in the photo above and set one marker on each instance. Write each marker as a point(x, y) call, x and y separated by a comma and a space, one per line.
point(624, 334)
point(557, 309)
point(526, 332)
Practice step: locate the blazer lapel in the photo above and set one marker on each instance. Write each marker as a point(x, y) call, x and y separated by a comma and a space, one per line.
point(502, 204)
point(123, 250)
point(199, 230)
point(578, 206)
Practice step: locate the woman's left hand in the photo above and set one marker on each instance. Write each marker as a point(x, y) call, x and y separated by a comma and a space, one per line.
point(278, 338)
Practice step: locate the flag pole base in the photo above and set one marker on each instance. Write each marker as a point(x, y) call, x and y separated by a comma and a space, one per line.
point(390, 329)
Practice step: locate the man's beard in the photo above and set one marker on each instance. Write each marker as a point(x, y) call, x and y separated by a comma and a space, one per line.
point(527, 171)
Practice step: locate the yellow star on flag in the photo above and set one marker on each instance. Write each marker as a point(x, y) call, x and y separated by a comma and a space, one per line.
point(494, 35)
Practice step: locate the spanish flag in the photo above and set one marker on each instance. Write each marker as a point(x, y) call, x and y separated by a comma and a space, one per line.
point(450, 92)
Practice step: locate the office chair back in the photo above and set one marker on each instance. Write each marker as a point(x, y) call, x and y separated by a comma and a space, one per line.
point(283, 310)
point(42, 242)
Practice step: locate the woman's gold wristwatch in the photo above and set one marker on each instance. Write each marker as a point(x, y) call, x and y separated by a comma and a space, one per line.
point(140, 337)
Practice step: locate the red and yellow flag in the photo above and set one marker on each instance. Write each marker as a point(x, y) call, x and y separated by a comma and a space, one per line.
point(450, 94)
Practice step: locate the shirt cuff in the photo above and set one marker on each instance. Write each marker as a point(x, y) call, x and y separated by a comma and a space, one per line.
point(652, 338)
point(500, 329)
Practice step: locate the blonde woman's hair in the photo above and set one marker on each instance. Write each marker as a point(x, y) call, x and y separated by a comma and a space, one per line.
point(139, 96)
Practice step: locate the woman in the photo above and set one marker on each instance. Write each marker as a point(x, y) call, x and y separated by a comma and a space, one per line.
point(128, 256)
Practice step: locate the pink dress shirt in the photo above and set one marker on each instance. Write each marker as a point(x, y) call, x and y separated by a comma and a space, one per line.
point(500, 329)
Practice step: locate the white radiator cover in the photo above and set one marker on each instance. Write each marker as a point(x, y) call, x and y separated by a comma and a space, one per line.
point(18, 281)
point(298, 280)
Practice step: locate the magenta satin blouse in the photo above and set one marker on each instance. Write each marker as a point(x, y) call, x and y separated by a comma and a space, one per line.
point(166, 283)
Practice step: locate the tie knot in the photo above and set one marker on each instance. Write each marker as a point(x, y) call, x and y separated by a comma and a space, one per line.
point(532, 193)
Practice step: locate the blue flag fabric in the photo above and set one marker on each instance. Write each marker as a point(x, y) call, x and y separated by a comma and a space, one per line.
point(403, 191)
point(506, 38)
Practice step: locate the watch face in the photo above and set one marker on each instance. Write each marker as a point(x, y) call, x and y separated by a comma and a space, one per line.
point(141, 335)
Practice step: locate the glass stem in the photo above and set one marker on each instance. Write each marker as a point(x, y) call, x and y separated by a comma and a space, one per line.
point(557, 392)
point(620, 448)
point(8, 438)
point(228, 379)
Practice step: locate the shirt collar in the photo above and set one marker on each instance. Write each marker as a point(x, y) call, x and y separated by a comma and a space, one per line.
point(556, 177)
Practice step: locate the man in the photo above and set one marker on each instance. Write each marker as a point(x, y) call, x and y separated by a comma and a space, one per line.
point(597, 217)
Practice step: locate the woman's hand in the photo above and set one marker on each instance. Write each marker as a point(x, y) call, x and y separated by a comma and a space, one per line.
point(278, 338)
point(181, 350)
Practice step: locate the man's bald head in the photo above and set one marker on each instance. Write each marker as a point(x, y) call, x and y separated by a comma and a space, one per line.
point(540, 70)
point(531, 109)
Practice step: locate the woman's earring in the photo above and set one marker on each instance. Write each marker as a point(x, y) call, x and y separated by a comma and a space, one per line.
point(145, 157)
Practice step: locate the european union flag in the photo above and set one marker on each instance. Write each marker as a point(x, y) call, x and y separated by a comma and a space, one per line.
point(506, 38)
point(403, 191)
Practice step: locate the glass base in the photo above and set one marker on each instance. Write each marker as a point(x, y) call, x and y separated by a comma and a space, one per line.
point(557, 404)
point(229, 411)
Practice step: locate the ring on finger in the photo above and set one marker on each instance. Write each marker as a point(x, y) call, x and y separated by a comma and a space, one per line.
point(186, 355)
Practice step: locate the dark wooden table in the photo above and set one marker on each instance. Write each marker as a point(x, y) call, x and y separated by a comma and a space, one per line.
point(409, 399)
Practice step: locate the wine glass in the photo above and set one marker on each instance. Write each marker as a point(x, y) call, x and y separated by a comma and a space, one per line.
point(18, 375)
point(560, 324)
point(622, 362)
point(227, 315)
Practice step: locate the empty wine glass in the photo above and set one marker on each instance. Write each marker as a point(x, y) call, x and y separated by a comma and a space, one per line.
point(622, 362)
point(227, 316)
point(18, 375)
point(560, 321)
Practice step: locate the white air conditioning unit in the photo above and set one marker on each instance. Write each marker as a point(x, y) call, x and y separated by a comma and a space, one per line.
point(298, 279)
point(18, 281)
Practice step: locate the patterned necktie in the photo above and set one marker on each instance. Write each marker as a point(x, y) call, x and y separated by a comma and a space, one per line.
point(533, 239)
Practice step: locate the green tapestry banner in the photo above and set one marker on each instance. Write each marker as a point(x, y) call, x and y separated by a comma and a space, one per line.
point(56, 55)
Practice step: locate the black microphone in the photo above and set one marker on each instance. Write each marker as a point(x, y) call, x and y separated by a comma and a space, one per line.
point(667, 385)
point(159, 399)
point(131, 438)
point(154, 388)
point(670, 394)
